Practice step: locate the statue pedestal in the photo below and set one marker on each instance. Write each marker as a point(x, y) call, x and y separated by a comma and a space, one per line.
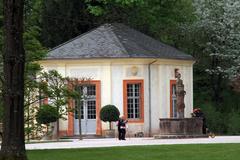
point(180, 128)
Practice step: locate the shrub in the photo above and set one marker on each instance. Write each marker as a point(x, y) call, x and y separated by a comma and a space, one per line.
point(109, 113)
point(47, 114)
point(233, 123)
point(215, 119)
point(1, 111)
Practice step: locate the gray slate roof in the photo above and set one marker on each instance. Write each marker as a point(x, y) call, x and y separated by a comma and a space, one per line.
point(115, 41)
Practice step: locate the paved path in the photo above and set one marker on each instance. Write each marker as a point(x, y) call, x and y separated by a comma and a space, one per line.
point(111, 142)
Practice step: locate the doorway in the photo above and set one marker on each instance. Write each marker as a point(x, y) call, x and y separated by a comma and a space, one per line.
point(87, 106)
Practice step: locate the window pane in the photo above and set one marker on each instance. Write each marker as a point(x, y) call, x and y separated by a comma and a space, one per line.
point(137, 112)
point(91, 90)
point(137, 92)
point(129, 90)
point(91, 109)
point(174, 100)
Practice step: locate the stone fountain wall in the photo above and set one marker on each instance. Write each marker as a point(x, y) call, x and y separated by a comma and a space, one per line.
point(178, 126)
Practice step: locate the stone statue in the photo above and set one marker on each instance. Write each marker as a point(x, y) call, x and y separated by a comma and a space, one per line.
point(180, 96)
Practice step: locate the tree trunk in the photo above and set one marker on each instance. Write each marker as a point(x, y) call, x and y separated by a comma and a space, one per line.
point(57, 125)
point(13, 145)
point(79, 119)
point(110, 126)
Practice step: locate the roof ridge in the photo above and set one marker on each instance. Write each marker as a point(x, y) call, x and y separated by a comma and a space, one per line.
point(116, 37)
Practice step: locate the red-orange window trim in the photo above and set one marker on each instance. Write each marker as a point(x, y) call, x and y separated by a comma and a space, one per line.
point(70, 131)
point(172, 82)
point(125, 113)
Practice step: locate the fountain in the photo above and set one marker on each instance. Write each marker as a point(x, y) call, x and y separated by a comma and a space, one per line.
point(180, 127)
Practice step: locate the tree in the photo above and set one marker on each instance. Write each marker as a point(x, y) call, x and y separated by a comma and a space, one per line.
point(160, 19)
point(34, 51)
point(72, 18)
point(109, 113)
point(219, 21)
point(215, 46)
point(203, 38)
point(47, 114)
point(57, 92)
point(13, 145)
point(235, 83)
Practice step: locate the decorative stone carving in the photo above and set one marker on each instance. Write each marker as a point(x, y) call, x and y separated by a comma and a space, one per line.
point(180, 96)
point(134, 70)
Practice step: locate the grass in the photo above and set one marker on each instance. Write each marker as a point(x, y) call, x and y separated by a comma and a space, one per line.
point(160, 152)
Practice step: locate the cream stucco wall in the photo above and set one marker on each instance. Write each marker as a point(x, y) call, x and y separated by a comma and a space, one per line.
point(112, 72)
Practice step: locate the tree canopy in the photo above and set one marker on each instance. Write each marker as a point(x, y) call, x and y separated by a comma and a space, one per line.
point(219, 20)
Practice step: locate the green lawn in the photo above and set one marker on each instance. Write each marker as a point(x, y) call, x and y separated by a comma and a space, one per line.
point(161, 152)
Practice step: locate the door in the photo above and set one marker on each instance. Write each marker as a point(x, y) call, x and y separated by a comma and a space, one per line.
point(87, 105)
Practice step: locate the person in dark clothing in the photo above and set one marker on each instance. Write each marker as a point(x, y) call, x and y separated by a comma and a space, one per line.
point(121, 128)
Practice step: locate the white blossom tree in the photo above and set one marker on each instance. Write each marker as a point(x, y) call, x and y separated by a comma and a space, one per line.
point(220, 22)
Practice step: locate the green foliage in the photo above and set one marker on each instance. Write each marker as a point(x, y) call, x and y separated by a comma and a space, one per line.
point(164, 19)
point(1, 111)
point(215, 119)
point(70, 18)
point(109, 113)
point(222, 121)
point(101, 7)
point(121, 2)
point(47, 114)
point(214, 44)
point(34, 52)
point(54, 86)
point(96, 10)
point(233, 123)
point(219, 19)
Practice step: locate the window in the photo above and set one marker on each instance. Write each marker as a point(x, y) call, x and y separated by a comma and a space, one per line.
point(133, 100)
point(173, 99)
